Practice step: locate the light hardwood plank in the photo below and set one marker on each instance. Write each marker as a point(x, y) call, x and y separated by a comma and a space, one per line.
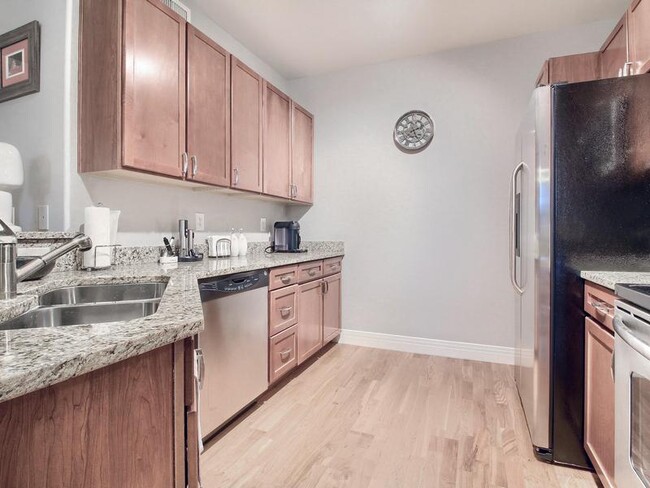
point(370, 418)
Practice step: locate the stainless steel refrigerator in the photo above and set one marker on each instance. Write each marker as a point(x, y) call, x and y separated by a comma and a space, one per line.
point(580, 200)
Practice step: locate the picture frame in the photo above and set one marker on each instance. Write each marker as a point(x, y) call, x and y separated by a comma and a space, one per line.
point(20, 62)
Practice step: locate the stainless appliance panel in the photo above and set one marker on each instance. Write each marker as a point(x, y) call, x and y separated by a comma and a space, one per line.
point(235, 351)
point(632, 384)
point(532, 268)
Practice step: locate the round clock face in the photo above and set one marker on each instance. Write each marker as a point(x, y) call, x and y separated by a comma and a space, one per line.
point(413, 131)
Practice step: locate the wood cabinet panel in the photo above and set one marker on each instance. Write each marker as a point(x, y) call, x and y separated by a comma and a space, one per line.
point(154, 88)
point(246, 127)
point(283, 353)
point(614, 52)
point(639, 36)
point(302, 154)
point(543, 76)
point(332, 308)
point(285, 276)
point(111, 427)
point(283, 308)
point(599, 401)
point(574, 68)
point(277, 142)
point(310, 319)
point(310, 271)
point(599, 303)
point(208, 109)
point(332, 266)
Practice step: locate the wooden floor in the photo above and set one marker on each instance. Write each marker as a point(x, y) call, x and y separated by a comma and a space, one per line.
point(362, 417)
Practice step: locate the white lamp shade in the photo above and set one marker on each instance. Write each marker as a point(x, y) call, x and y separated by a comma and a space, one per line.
point(11, 167)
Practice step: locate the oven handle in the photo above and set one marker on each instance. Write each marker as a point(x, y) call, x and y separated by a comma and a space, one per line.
point(624, 326)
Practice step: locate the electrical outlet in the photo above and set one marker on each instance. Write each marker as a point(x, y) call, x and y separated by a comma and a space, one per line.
point(43, 217)
point(200, 222)
point(263, 224)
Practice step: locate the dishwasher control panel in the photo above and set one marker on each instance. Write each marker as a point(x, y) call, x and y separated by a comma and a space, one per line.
point(235, 283)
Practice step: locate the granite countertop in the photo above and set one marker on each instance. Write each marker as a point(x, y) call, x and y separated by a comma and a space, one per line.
point(609, 279)
point(31, 359)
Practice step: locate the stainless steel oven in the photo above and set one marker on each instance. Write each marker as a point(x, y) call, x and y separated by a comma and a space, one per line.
point(632, 377)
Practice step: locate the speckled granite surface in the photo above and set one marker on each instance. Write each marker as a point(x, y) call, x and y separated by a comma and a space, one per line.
point(36, 358)
point(609, 279)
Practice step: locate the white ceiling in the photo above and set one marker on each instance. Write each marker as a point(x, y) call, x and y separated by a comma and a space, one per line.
point(306, 37)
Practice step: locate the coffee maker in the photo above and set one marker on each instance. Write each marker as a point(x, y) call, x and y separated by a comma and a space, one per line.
point(286, 237)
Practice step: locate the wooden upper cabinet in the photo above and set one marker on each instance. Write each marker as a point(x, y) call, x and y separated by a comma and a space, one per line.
point(208, 110)
point(614, 53)
point(570, 69)
point(599, 401)
point(277, 142)
point(246, 127)
point(154, 88)
point(332, 308)
point(639, 36)
point(302, 154)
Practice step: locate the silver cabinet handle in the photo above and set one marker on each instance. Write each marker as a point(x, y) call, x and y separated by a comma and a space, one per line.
point(286, 280)
point(284, 355)
point(322, 287)
point(186, 164)
point(311, 272)
point(285, 312)
point(236, 173)
point(327, 287)
point(195, 166)
point(513, 216)
point(612, 366)
point(200, 366)
point(627, 69)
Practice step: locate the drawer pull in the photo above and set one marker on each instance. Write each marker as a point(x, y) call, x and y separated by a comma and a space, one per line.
point(285, 312)
point(312, 272)
point(286, 280)
point(601, 307)
point(285, 355)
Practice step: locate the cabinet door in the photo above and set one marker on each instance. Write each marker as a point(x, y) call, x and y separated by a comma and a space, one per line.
point(154, 88)
point(283, 309)
point(332, 308)
point(208, 109)
point(614, 53)
point(639, 35)
point(310, 317)
point(246, 127)
point(599, 400)
point(277, 142)
point(282, 354)
point(302, 154)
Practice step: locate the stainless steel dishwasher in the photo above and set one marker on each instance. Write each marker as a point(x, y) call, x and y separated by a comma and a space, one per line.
point(234, 345)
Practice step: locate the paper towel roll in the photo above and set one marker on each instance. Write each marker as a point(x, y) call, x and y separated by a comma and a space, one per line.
point(97, 226)
point(115, 218)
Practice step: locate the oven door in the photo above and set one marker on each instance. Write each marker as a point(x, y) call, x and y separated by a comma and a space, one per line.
point(632, 377)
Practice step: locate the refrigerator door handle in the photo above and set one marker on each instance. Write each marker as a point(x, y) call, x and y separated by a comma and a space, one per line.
point(513, 236)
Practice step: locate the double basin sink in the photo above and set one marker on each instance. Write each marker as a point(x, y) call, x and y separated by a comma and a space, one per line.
point(91, 304)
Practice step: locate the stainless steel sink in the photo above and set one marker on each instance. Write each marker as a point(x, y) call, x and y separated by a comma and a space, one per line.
point(55, 316)
point(103, 293)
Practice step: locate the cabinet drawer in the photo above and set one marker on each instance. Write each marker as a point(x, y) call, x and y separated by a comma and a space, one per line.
point(599, 303)
point(282, 353)
point(332, 266)
point(310, 271)
point(282, 309)
point(285, 276)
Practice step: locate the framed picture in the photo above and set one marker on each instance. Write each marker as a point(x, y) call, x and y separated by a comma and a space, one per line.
point(20, 61)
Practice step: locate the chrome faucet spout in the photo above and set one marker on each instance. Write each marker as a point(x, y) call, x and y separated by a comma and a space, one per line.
point(10, 276)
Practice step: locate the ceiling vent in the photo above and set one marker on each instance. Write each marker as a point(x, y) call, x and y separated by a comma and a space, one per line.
point(179, 8)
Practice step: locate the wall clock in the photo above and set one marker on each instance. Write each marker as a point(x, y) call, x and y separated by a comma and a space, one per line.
point(413, 131)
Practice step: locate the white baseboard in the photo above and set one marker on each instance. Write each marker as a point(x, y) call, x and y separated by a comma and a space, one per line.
point(431, 347)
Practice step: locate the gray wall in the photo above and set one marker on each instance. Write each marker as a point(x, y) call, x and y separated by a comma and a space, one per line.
point(43, 126)
point(34, 123)
point(426, 235)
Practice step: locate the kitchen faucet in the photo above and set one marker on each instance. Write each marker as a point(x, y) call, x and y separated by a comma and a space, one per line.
point(10, 276)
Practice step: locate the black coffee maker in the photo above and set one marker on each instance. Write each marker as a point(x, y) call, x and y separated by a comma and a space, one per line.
point(286, 237)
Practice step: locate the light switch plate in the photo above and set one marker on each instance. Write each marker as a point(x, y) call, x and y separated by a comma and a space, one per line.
point(263, 224)
point(199, 221)
point(43, 217)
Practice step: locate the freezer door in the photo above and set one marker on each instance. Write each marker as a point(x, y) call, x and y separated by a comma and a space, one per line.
point(532, 268)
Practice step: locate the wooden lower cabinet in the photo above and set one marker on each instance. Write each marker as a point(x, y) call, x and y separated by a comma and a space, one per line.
point(122, 425)
point(332, 308)
point(310, 319)
point(282, 353)
point(599, 400)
